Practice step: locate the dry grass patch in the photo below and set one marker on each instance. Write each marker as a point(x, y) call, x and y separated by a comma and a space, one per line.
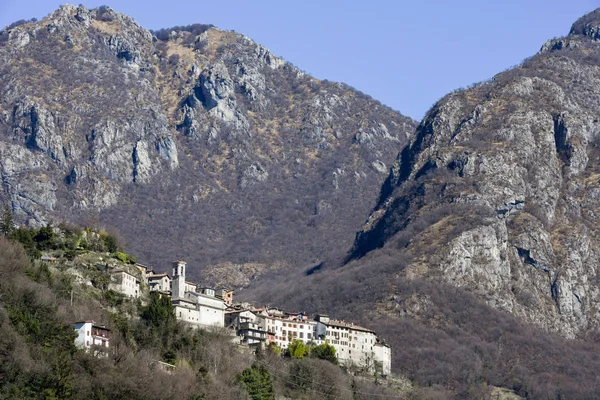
point(107, 27)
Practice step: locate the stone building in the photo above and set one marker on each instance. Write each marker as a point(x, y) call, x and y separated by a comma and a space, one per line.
point(124, 282)
point(247, 327)
point(355, 345)
point(159, 283)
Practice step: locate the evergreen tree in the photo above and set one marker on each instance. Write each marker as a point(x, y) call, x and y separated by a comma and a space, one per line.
point(258, 382)
point(6, 225)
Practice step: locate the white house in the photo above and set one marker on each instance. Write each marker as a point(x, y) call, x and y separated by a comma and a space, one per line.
point(234, 318)
point(90, 335)
point(124, 282)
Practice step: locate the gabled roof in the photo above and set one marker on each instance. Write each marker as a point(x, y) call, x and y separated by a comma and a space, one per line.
point(117, 270)
point(91, 321)
point(87, 321)
point(239, 311)
point(158, 276)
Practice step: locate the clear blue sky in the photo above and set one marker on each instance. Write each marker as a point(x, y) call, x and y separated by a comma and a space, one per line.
point(407, 54)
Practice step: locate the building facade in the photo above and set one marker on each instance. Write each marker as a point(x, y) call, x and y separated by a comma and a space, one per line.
point(287, 327)
point(247, 327)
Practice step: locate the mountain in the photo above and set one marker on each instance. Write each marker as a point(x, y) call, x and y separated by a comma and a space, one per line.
point(190, 142)
point(479, 262)
point(498, 190)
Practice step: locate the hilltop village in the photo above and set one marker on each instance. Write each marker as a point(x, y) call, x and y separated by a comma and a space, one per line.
point(249, 326)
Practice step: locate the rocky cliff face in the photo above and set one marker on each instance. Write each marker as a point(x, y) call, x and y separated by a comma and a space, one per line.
point(498, 191)
point(192, 142)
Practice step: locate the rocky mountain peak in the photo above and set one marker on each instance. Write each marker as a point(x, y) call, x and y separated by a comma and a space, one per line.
point(588, 25)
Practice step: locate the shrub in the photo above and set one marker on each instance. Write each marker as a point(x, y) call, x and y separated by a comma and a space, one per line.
point(124, 257)
point(325, 352)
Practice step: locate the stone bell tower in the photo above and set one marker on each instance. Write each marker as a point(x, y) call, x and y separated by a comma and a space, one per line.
point(178, 289)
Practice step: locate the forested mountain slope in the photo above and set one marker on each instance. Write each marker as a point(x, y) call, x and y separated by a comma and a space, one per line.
point(482, 253)
point(192, 142)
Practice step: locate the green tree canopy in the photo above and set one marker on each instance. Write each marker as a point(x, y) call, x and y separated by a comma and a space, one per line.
point(325, 351)
point(297, 349)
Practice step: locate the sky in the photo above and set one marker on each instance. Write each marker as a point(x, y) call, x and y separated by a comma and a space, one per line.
point(406, 54)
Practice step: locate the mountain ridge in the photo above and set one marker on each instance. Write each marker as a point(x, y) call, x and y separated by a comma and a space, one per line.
point(198, 136)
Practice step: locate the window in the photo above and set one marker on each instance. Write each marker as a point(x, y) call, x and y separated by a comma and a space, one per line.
point(88, 333)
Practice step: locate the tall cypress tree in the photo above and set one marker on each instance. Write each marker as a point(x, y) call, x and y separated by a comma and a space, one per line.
point(6, 224)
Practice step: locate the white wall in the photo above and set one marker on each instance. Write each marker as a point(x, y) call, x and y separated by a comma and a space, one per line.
point(212, 311)
point(383, 354)
point(82, 340)
point(187, 314)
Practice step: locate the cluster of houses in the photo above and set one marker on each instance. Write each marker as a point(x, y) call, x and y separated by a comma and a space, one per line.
point(253, 327)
